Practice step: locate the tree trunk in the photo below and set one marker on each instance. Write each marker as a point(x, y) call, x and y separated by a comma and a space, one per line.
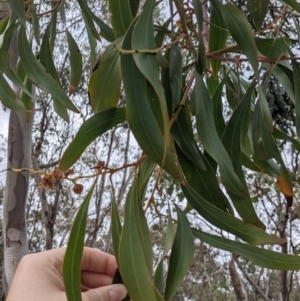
point(16, 187)
point(14, 207)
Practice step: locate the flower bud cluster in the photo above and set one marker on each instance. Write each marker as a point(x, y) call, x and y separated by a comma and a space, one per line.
point(48, 180)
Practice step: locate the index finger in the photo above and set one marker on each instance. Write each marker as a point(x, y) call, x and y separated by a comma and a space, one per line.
point(96, 261)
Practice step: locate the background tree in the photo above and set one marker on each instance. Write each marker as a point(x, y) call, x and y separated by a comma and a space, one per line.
point(18, 156)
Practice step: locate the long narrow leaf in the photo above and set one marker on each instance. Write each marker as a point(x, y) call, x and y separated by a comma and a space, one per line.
point(88, 132)
point(93, 35)
point(229, 223)
point(121, 16)
point(27, 99)
point(201, 58)
point(218, 35)
point(278, 134)
point(274, 48)
point(133, 263)
point(141, 221)
point(292, 3)
point(73, 255)
point(235, 132)
point(145, 171)
point(37, 73)
point(259, 256)
point(13, 77)
point(168, 243)
point(176, 75)
point(88, 19)
point(116, 228)
point(159, 276)
point(134, 7)
point(204, 182)
point(181, 255)
point(217, 101)
point(35, 23)
point(46, 60)
point(3, 24)
point(258, 10)
point(17, 6)
point(240, 30)
point(143, 38)
point(182, 132)
point(212, 144)
point(75, 62)
point(140, 117)
point(6, 38)
point(106, 31)
point(52, 29)
point(8, 96)
point(285, 77)
point(265, 145)
point(297, 95)
point(106, 73)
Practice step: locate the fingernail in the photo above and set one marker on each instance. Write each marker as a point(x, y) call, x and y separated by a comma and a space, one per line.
point(117, 293)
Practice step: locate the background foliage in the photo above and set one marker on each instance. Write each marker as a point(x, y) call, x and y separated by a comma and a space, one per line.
point(186, 115)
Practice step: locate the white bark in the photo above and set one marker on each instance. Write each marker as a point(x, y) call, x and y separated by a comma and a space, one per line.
point(16, 187)
point(14, 207)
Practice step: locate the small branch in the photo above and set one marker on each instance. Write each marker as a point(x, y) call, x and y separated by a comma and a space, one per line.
point(51, 164)
point(44, 202)
point(108, 170)
point(51, 10)
point(151, 51)
point(184, 28)
point(183, 100)
point(250, 280)
point(98, 199)
point(236, 281)
point(222, 51)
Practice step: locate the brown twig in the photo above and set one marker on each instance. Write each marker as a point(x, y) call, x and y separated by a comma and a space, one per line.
point(183, 100)
point(51, 10)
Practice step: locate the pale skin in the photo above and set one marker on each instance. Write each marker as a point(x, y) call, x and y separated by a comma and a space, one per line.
point(39, 277)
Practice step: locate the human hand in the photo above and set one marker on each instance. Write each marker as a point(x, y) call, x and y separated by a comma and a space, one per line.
point(39, 277)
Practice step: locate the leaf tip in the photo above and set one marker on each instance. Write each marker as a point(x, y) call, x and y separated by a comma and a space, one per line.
point(97, 64)
point(72, 89)
point(289, 200)
point(183, 182)
point(286, 189)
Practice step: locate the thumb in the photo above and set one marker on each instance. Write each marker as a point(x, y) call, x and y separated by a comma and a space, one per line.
point(114, 292)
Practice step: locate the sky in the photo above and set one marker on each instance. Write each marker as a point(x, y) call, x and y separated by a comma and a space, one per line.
point(4, 116)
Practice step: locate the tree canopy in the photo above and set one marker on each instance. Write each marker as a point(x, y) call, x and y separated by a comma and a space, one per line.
point(210, 92)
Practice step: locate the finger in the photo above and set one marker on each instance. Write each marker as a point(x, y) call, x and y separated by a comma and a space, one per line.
point(92, 279)
point(115, 292)
point(47, 260)
point(99, 262)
